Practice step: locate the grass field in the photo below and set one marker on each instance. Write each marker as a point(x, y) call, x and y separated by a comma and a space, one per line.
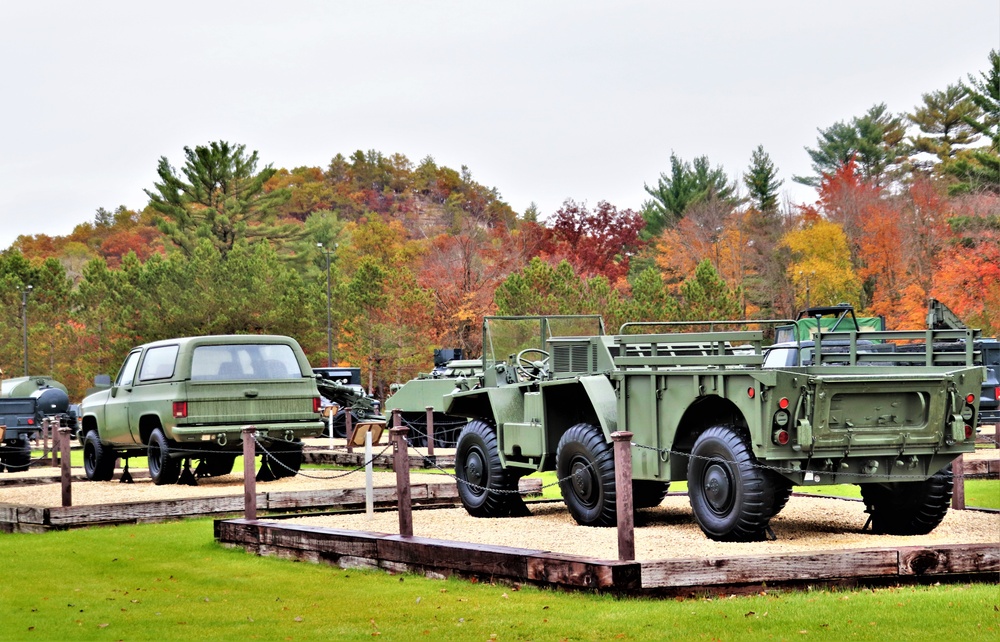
point(170, 581)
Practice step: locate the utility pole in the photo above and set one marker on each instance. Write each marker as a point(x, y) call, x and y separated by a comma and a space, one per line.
point(329, 314)
point(24, 323)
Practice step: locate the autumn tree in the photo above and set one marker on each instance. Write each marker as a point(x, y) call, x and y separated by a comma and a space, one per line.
point(219, 195)
point(821, 269)
point(599, 241)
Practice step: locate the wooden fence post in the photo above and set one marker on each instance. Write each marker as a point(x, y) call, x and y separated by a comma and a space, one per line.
point(66, 475)
point(401, 462)
point(45, 439)
point(430, 431)
point(249, 477)
point(958, 490)
point(623, 495)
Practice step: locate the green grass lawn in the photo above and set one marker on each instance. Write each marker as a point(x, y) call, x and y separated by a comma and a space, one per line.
point(170, 581)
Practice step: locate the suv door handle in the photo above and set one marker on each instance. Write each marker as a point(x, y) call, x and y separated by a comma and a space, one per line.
point(250, 392)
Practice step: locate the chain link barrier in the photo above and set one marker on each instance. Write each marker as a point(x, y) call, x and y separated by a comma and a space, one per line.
point(780, 469)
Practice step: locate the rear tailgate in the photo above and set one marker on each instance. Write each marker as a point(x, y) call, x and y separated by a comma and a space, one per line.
point(869, 410)
point(250, 401)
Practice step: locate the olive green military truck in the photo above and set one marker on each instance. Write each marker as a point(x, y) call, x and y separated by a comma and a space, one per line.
point(703, 408)
point(187, 399)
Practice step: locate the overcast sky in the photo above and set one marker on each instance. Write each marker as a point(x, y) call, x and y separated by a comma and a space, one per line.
point(543, 100)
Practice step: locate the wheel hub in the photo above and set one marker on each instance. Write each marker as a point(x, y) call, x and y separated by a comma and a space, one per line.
point(718, 487)
point(583, 481)
point(474, 469)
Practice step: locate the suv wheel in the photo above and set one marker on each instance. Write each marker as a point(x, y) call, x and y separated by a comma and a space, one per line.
point(163, 468)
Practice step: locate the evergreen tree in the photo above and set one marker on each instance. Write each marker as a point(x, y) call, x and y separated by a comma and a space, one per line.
point(222, 199)
point(688, 183)
point(979, 168)
point(875, 141)
point(706, 297)
point(761, 182)
point(941, 120)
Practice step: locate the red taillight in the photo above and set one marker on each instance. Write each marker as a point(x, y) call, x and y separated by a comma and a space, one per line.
point(180, 409)
point(751, 392)
point(31, 421)
point(783, 403)
point(780, 437)
point(969, 398)
point(316, 404)
point(968, 431)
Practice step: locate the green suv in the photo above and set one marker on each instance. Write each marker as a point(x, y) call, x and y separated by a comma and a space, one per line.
point(187, 399)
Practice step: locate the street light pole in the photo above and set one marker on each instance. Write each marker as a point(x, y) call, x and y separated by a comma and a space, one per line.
point(329, 314)
point(24, 323)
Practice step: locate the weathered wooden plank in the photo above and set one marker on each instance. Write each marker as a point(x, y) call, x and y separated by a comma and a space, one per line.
point(141, 511)
point(329, 541)
point(570, 570)
point(965, 558)
point(981, 467)
point(769, 568)
point(479, 559)
point(284, 500)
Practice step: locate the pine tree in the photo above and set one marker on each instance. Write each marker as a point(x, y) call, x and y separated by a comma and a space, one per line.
point(941, 120)
point(222, 199)
point(761, 183)
point(979, 168)
point(687, 184)
point(874, 141)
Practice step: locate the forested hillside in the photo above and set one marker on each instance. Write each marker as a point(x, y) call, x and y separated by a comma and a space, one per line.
point(908, 207)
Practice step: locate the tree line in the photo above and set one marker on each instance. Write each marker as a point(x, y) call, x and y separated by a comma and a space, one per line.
point(908, 207)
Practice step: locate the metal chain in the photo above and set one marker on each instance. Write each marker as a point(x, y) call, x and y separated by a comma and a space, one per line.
point(778, 469)
point(299, 473)
point(432, 463)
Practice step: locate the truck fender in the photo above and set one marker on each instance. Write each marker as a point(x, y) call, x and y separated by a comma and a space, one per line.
point(604, 401)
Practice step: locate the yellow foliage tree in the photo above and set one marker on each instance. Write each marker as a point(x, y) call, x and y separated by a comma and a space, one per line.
point(821, 270)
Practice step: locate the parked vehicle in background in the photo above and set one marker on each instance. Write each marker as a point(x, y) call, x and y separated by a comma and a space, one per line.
point(340, 388)
point(24, 403)
point(182, 400)
point(428, 389)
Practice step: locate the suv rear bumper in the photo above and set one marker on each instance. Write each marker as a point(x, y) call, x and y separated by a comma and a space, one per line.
point(232, 434)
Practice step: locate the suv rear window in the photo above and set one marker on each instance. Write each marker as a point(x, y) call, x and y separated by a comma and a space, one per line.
point(244, 361)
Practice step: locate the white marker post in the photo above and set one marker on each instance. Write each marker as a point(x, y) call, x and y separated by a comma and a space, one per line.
point(369, 482)
point(329, 425)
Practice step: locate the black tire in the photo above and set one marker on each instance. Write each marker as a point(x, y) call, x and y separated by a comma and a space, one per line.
point(163, 469)
point(286, 458)
point(648, 493)
point(484, 486)
point(17, 456)
point(216, 465)
point(909, 508)
point(782, 491)
point(98, 461)
point(585, 466)
point(731, 497)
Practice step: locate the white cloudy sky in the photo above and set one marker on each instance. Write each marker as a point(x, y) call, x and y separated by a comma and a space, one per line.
point(545, 100)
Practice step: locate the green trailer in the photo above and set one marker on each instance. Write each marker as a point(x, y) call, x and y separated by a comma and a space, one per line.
point(703, 408)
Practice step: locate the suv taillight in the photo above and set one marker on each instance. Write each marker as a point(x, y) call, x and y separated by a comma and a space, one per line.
point(316, 404)
point(180, 409)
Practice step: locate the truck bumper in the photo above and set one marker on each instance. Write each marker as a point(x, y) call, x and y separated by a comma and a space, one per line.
point(231, 435)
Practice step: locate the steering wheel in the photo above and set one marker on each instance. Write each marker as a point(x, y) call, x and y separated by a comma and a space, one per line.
point(539, 369)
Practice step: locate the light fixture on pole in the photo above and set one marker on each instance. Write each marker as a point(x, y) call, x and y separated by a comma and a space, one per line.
point(329, 315)
point(24, 323)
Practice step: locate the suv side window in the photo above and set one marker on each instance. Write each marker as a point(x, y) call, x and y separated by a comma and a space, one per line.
point(127, 374)
point(158, 364)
